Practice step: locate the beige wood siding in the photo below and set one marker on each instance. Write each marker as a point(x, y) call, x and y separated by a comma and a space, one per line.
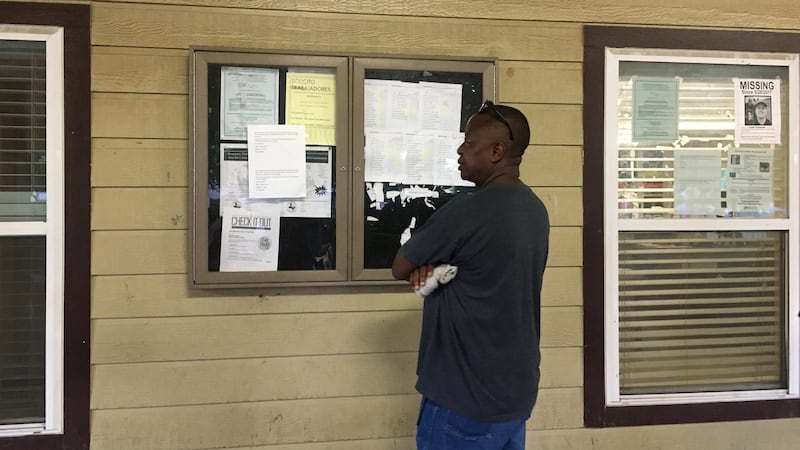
point(175, 368)
point(718, 13)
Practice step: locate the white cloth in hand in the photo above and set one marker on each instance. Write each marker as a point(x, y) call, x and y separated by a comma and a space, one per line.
point(442, 274)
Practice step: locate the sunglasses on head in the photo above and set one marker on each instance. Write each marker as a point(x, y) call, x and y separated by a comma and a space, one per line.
point(488, 107)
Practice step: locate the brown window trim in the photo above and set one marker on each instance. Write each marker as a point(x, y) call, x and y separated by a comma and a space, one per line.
point(595, 40)
point(77, 240)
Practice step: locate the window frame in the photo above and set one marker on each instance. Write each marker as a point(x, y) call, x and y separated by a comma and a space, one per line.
point(614, 57)
point(67, 402)
point(51, 227)
point(600, 410)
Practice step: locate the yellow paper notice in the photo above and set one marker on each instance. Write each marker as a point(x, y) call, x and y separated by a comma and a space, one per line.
point(311, 101)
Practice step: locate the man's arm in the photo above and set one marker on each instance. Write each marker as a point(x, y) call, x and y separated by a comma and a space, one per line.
point(402, 269)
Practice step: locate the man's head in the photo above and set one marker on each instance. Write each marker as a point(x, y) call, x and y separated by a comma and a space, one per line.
point(761, 110)
point(494, 141)
point(519, 132)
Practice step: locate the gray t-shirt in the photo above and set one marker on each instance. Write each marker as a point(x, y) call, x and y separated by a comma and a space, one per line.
point(479, 347)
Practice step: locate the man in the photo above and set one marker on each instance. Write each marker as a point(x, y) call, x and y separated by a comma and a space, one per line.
point(760, 116)
point(478, 364)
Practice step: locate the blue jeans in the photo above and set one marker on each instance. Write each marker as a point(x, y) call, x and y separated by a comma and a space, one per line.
point(438, 428)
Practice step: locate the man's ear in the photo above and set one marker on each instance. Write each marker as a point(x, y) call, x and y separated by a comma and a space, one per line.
point(498, 151)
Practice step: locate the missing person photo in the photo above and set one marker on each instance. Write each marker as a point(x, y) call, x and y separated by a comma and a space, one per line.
point(758, 110)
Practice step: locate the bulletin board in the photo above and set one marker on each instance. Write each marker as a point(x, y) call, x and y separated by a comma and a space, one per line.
point(280, 206)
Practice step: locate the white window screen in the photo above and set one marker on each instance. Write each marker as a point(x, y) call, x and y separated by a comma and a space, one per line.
point(701, 294)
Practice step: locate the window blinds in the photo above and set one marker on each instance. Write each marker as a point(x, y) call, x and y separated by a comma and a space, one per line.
point(22, 130)
point(701, 311)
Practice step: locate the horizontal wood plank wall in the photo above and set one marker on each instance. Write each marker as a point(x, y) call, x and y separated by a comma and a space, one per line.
point(247, 369)
point(769, 14)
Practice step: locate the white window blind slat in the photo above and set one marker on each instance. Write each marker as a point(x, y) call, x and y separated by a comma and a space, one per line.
point(23, 128)
point(700, 311)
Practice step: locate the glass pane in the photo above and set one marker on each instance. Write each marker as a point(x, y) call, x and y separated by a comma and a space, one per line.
point(394, 207)
point(22, 329)
point(22, 131)
point(702, 311)
point(255, 95)
point(701, 171)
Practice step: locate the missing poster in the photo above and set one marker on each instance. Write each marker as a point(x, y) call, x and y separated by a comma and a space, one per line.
point(758, 111)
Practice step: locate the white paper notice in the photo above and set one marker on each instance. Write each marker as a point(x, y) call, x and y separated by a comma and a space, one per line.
point(248, 95)
point(655, 109)
point(403, 106)
point(750, 173)
point(250, 239)
point(233, 190)
point(376, 103)
point(411, 132)
point(276, 161)
point(383, 156)
point(446, 165)
point(758, 110)
point(319, 187)
point(697, 182)
point(419, 150)
point(440, 104)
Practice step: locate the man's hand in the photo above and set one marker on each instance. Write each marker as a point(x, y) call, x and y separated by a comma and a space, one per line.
point(420, 275)
point(402, 269)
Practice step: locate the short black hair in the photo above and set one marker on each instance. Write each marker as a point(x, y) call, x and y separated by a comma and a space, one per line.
point(519, 126)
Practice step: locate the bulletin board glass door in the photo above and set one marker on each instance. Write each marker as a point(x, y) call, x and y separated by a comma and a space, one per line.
point(274, 131)
point(405, 140)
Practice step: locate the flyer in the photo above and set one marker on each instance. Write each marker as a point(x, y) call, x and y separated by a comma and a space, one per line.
point(248, 95)
point(697, 182)
point(276, 156)
point(311, 101)
point(319, 186)
point(750, 175)
point(655, 109)
point(233, 188)
point(758, 111)
point(250, 238)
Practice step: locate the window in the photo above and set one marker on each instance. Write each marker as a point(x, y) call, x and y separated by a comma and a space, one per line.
point(27, 224)
point(44, 201)
point(698, 212)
